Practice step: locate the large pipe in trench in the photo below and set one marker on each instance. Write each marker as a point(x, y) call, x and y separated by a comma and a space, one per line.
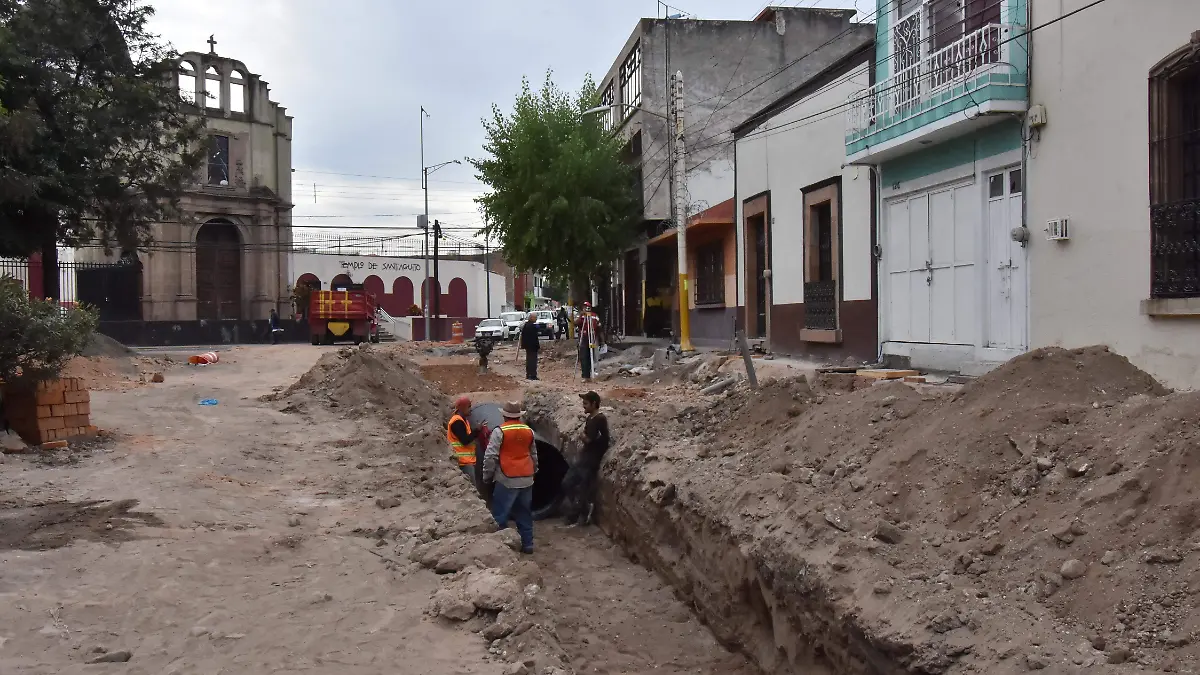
point(552, 466)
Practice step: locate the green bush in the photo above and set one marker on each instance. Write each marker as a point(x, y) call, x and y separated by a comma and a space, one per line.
point(38, 337)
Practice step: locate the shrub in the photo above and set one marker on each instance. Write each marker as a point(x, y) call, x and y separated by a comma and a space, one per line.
point(38, 337)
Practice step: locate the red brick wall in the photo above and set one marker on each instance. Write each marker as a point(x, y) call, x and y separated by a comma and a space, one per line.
point(54, 411)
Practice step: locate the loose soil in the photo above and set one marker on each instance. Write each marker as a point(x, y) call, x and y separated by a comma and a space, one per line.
point(453, 379)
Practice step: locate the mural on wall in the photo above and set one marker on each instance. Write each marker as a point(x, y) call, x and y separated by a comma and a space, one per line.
point(402, 295)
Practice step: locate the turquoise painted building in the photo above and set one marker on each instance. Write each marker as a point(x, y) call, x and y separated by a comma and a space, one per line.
point(943, 125)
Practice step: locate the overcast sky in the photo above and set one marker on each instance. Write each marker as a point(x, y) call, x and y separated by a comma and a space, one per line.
point(354, 74)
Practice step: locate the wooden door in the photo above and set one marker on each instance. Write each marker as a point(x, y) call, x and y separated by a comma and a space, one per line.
point(218, 272)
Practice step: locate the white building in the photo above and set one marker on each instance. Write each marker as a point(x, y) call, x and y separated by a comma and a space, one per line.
point(1119, 160)
point(806, 216)
point(399, 283)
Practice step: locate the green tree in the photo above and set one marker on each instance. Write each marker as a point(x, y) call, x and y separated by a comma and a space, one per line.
point(561, 200)
point(98, 143)
point(37, 337)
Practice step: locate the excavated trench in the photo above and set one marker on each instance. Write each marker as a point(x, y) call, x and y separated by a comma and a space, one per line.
point(758, 598)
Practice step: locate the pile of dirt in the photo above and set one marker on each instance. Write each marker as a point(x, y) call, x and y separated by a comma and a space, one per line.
point(455, 379)
point(1044, 516)
point(102, 345)
point(103, 373)
point(364, 379)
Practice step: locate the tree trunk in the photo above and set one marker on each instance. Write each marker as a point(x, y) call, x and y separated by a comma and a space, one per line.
point(50, 278)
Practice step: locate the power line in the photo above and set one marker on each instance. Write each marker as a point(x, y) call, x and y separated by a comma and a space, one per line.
point(363, 175)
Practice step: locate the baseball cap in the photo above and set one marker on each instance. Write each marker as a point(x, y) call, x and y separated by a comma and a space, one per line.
point(590, 397)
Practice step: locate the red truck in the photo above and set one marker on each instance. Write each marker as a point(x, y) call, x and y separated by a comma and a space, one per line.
point(344, 315)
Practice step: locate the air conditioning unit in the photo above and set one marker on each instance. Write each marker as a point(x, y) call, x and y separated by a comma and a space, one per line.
point(1058, 229)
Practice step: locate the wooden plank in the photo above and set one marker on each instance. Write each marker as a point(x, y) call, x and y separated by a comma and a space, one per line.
point(886, 373)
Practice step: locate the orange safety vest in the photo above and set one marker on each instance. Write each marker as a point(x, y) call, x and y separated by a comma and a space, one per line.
point(463, 452)
point(515, 458)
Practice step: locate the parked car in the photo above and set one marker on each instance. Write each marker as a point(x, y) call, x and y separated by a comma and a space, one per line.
point(512, 324)
point(547, 325)
point(491, 328)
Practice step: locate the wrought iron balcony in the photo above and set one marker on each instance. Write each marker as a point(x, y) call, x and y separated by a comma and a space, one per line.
point(930, 86)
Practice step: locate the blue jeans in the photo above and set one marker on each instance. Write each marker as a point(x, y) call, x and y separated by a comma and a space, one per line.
point(517, 504)
point(469, 471)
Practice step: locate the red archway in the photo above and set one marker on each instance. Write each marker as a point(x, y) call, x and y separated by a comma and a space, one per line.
point(454, 303)
point(340, 279)
point(310, 280)
point(402, 296)
point(374, 285)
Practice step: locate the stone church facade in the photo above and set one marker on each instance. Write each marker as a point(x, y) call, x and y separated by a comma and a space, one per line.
point(227, 258)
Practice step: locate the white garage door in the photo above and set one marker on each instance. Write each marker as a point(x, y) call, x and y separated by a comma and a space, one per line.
point(929, 258)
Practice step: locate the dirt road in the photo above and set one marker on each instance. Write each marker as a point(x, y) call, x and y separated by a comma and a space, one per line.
point(233, 539)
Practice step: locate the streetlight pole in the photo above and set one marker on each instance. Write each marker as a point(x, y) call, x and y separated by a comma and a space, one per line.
point(425, 226)
point(682, 292)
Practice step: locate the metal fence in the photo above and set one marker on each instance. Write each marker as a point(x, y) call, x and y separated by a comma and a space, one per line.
point(114, 289)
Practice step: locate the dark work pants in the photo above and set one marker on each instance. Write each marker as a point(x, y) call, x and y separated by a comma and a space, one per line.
point(579, 490)
point(531, 364)
point(585, 360)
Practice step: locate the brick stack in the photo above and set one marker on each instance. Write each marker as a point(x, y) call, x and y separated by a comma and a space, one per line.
point(54, 411)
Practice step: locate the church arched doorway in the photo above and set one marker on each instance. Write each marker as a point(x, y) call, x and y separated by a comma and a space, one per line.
point(218, 271)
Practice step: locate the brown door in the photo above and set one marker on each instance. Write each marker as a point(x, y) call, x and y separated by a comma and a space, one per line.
point(218, 272)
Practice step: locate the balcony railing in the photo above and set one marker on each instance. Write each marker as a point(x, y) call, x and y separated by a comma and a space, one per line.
point(1175, 249)
point(955, 71)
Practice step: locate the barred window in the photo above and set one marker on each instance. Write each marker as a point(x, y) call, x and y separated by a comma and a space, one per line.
point(218, 160)
point(606, 99)
point(710, 274)
point(1175, 174)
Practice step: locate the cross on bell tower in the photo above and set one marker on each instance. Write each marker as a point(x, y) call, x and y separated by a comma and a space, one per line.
point(212, 44)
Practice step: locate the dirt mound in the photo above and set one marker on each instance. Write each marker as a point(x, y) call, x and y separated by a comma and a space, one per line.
point(102, 345)
point(1043, 517)
point(455, 379)
point(365, 379)
point(101, 373)
point(1053, 374)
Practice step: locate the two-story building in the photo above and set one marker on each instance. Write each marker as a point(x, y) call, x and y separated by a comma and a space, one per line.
point(730, 70)
point(1114, 169)
point(226, 259)
point(942, 125)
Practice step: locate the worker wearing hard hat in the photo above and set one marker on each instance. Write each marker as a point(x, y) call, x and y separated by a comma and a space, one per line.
point(462, 439)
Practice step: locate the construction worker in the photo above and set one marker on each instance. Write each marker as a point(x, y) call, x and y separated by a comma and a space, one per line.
point(580, 483)
point(587, 327)
point(511, 460)
point(461, 438)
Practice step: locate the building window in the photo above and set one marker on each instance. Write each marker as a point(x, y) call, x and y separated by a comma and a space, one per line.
point(237, 92)
point(1175, 174)
point(821, 261)
point(187, 82)
point(631, 80)
point(710, 274)
point(218, 160)
point(606, 99)
point(212, 88)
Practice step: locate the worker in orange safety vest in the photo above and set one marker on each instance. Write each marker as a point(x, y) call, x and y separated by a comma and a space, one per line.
point(511, 460)
point(462, 439)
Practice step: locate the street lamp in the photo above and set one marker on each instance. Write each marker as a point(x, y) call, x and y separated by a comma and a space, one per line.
point(437, 233)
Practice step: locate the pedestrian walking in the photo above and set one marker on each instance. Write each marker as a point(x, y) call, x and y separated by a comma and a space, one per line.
point(531, 343)
point(511, 461)
point(561, 319)
point(273, 325)
point(582, 480)
point(461, 438)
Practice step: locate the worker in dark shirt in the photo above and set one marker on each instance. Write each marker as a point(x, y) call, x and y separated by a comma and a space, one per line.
point(580, 484)
point(531, 344)
point(462, 438)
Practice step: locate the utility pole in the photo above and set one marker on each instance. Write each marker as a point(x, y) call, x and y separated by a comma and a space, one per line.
point(681, 292)
point(487, 273)
point(425, 226)
point(437, 292)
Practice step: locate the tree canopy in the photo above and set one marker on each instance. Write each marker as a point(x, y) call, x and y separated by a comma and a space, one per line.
point(561, 200)
point(38, 337)
point(97, 142)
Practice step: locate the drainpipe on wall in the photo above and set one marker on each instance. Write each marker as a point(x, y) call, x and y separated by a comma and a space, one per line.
point(768, 283)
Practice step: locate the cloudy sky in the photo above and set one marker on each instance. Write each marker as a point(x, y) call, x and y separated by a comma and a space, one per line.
point(355, 73)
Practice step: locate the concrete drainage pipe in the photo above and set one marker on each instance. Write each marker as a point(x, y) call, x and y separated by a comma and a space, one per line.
point(552, 466)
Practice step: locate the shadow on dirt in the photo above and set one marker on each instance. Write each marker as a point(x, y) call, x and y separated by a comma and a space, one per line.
point(39, 527)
